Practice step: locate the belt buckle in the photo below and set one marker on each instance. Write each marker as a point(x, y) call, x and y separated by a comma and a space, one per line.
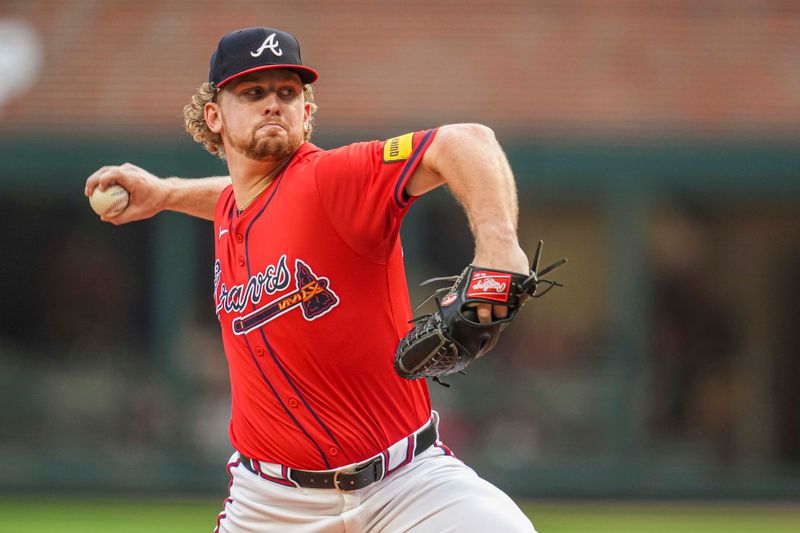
point(355, 470)
point(336, 480)
point(337, 473)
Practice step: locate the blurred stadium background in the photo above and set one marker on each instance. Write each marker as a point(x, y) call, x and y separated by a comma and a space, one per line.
point(655, 144)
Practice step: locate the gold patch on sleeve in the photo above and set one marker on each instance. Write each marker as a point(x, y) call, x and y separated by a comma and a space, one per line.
point(398, 148)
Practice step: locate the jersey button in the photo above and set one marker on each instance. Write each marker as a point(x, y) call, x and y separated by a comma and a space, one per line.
point(334, 450)
point(239, 238)
point(293, 402)
point(241, 261)
point(259, 350)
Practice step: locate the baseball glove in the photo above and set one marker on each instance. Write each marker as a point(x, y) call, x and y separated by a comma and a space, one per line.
point(448, 340)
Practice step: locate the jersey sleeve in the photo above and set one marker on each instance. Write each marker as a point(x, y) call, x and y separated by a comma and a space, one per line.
point(362, 188)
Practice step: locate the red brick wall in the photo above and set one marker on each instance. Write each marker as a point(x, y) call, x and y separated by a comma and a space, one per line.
point(569, 67)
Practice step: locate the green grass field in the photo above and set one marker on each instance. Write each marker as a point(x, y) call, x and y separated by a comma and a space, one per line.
point(50, 515)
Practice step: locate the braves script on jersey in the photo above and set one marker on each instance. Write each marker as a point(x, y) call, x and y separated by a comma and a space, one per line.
point(301, 277)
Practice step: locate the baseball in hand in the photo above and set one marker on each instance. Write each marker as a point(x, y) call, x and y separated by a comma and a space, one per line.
point(110, 202)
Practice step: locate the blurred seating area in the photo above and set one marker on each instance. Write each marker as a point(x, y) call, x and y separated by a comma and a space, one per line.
point(575, 67)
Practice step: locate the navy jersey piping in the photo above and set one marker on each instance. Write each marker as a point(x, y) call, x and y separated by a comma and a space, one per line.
point(277, 362)
point(397, 189)
point(286, 409)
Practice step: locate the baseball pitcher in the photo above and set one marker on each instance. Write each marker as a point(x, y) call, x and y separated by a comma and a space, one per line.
point(331, 419)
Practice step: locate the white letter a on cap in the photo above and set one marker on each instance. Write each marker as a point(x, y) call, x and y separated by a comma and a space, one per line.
point(270, 43)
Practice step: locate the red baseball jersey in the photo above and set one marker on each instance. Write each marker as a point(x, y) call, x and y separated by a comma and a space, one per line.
point(311, 295)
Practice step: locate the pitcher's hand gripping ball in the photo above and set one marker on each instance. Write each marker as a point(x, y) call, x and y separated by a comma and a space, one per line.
point(110, 202)
point(448, 340)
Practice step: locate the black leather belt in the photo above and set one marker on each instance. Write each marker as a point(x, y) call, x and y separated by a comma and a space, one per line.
point(354, 478)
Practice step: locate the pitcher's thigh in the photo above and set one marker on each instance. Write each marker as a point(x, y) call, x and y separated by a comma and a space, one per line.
point(256, 505)
point(442, 494)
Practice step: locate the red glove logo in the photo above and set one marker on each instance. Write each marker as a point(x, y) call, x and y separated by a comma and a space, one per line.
point(489, 286)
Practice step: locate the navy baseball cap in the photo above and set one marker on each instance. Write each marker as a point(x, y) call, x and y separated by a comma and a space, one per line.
point(249, 50)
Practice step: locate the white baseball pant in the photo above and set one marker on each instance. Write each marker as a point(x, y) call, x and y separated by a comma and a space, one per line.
point(434, 492)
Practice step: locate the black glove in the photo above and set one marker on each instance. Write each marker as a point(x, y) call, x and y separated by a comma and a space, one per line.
point(448, 340)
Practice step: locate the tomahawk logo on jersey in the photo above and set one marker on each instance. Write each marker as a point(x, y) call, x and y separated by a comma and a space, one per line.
point(312, 295)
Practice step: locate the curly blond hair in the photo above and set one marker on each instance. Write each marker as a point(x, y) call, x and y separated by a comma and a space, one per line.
point(195, 121)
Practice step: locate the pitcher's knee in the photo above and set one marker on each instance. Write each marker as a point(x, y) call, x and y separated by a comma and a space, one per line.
point(496, 516)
